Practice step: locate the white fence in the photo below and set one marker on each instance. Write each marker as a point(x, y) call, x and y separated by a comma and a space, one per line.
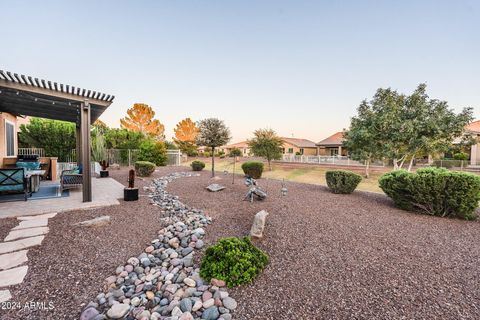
point(29, 151)
point(328, 160)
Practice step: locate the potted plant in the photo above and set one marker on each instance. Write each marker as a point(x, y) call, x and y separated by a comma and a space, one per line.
point(104, 171)
point(130, 193)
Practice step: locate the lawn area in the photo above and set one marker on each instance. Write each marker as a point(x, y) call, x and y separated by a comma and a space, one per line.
point(299, 173)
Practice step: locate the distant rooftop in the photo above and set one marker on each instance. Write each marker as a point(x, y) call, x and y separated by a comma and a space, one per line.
point(334, 140)
point(300, 143)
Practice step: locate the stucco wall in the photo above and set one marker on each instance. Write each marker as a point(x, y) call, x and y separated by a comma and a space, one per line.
point(3, 148)
point(306, 151)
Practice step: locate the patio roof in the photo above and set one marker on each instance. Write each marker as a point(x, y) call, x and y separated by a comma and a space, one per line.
point(25, 95)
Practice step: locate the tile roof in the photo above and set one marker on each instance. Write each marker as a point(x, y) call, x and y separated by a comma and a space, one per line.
point(335, 139)
point(473, 126)
point(300, 143)
point(241, 144)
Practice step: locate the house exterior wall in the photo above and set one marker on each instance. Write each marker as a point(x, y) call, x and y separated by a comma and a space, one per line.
point(4, 118)
point(288, 148)
point(475, 154)
point(329, 151)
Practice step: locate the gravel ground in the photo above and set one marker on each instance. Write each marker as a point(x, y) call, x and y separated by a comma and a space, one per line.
point(345, 256)
point(5, 226)
point(70, 266)
point(332, 256)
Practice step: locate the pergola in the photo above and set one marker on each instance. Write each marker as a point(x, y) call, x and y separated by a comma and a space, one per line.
point(27, 96)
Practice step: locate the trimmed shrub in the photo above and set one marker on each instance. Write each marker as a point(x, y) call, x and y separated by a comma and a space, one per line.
point(197, 165)
point(153, 151)
point(253, 169)
point(434, 191)
point(235, 152)
point(341, 181)
point(234, 260)
point(460, 156)
point(207, 154)
point(144, 168)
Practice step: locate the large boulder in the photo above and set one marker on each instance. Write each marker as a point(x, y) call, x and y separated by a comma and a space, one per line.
point(258, 224)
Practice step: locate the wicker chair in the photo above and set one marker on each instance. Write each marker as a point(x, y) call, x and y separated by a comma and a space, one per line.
point(70, 180)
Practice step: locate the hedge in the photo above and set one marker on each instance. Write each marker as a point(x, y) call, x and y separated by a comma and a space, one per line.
point(434, 191)
point(153, 151)
point(234, 260)
point(144, 168)
point(197, 165)
point(341, 181)
point(253, 169)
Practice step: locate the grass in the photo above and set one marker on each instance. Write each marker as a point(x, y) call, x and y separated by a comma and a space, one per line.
point(307, 174)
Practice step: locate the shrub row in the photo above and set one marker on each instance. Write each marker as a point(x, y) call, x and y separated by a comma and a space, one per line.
point(434, 191)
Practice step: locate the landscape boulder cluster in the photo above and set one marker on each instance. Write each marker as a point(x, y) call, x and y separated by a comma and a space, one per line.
point(163, 282)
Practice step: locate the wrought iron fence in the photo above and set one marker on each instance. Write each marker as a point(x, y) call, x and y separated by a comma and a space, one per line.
point(330, 160)
point(29, 151)
point(128, 157)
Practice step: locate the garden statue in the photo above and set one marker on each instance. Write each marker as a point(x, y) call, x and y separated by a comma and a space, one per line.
point(254, 191)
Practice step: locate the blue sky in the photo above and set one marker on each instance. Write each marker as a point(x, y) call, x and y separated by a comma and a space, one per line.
point(299, 67)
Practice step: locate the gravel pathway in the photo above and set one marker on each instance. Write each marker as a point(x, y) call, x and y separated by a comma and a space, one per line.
point(345, 256)
point(6, 225)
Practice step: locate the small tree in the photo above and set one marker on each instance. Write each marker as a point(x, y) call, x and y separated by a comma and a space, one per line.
point(186, 132)
point(212, 133)
point(266, 144)
point(140, 118)
point(235, 152)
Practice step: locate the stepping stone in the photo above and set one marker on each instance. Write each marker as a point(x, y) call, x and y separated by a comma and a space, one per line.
point(40, 216)
point(13, 276)
point(26, 233)
point(214, 187)
point(32, 224)
point(96, 222)
point(20, 244)
point(10, 260)
point(5, 295)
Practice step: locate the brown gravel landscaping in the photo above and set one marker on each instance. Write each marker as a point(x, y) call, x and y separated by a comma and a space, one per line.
point(331, 256)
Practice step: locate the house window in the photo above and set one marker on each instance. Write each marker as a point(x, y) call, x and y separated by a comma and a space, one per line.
point(290, 150)
point(334, 152)
point(10, 138)
point(283, 150)
point(301, 150)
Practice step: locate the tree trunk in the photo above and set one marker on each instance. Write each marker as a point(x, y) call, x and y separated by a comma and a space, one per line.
point(367, 167)
point(410, 165)
point(395, 164)
point(269, 164)
point(213, 162)
point(234, 160)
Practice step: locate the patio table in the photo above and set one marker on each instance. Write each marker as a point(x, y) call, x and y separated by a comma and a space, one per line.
point(33, 177)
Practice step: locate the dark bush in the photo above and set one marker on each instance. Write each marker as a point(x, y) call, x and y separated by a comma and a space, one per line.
point(153, 151)
point(434, 191)
point(197, 165)
point(341, 181)
point(235, 260)
point(460, 156)
point(253, 169)
point(235, 152)
point(144, 168)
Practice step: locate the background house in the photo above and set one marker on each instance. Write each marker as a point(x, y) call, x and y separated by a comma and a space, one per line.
point(332, 146)
point(474, 130)
point(9, 127)
point(298, 146)
point(243, 146)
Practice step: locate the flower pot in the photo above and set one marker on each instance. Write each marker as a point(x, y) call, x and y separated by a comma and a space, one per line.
point(103, 173)
point(130, 194)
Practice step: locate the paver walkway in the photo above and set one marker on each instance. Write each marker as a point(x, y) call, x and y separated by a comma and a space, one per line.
point(13, 254)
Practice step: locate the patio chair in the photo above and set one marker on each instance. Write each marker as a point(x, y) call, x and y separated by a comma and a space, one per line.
point(13, 180)
point(71, 179)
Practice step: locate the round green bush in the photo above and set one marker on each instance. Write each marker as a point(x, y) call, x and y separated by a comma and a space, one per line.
point(460, 156)
point(434, 191)
point(235, 260)
point(253, 169)
point(153, 151)
point(144, 168)
point(341, 181)
point(197, 165)
point(235, 152)
point(207, 154)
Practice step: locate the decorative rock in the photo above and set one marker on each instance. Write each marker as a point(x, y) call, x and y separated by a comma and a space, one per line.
point(176, 312)
point(96, 222)
point(210, 313)
point(226, 316)
point(133, 261)
point(258, 224)
point(229, 303)
point(217, 282)
point(206, 296)
point(149, 249)
point(118, 311)
point(186, 305)
point(189, 282)
point(215, 187)
point(89, 314)
point(150, 295)
point(135, 301)
point(208, 303)
point(186, 316)
point(199, 244)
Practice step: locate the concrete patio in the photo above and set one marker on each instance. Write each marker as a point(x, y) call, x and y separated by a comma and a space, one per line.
point(106, 192)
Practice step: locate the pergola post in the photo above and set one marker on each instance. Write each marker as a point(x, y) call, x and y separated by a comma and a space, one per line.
point(78, 149)
point(85, 150)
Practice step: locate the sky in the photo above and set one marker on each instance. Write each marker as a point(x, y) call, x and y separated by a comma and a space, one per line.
point(298, 67)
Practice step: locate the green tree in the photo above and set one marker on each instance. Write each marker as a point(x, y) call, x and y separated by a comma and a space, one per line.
point(123, 139)
point(212, 133)
point(266, 143)
point(57, 138)
point(153, 151)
